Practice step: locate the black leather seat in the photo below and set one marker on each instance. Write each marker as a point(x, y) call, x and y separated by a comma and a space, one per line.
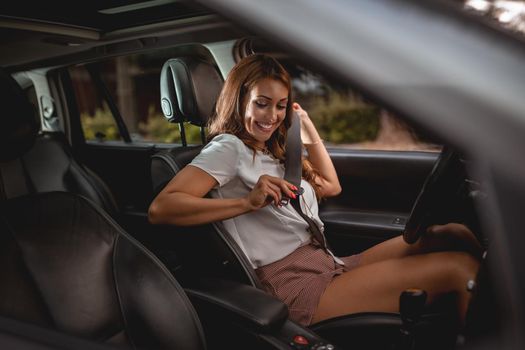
point(68, 266)
point(65, 264)
point(42, 161)
point(189, 88)
point(221, 255)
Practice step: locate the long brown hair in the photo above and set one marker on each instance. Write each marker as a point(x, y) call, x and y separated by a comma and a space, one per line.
point(231, 104)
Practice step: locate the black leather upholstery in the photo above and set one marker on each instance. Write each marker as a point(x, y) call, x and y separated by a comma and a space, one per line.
point(168, 96)
point(71, 268)
point(166, 164)
point(223, 252)
point(200, 83)
point(242, 303)
point(21, 335)
point(34, 163)
point(196, 86)
point(18, 120)
point(189, 88)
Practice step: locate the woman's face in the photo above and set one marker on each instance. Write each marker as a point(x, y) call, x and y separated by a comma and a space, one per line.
point(265, 109)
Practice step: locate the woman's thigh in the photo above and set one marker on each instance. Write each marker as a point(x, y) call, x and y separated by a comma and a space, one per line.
point(394, 248)
point(377, 286)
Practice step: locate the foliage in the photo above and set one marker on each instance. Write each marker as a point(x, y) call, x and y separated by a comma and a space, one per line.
point(343, 118)
point(154, 129)
point(157, 129)
point(340, 118)
point(102, 122)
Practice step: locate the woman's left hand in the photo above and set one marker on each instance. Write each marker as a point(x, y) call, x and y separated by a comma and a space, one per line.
point(458, 235)
point(309, 135)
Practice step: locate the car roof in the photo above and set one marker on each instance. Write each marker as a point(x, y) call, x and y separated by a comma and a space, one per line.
point(101, 15)
point(41, 34)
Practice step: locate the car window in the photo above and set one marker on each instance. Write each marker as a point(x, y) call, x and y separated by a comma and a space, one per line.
point(95, 116)
point(343, 117)
point(347, 120)
point(133, 84)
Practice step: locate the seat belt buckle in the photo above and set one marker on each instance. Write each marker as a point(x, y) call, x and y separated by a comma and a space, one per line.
point(285, 200)
point(299, 191)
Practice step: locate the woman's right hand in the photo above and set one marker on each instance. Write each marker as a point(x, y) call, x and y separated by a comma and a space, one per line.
point(269, 189)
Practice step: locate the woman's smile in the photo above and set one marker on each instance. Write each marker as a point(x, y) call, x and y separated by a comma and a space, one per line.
point(267, 127)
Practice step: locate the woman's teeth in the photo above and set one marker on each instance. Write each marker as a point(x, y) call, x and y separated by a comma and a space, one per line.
point(264, 125)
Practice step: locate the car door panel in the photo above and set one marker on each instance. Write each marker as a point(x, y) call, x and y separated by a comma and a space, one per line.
point(125, 168)
point(379, 188)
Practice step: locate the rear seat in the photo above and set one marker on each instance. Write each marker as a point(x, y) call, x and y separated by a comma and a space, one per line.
point(34, 162)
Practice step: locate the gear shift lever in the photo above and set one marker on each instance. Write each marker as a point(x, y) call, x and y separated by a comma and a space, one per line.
point(411, 306)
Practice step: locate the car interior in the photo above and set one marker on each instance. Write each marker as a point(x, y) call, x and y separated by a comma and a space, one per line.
point(84, 268)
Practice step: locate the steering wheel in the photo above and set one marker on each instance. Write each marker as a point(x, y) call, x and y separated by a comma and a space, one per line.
point(440, 188)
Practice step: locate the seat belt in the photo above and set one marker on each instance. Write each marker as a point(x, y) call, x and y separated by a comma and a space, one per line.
point(293, 169)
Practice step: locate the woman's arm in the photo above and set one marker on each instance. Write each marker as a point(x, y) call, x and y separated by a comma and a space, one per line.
point(318, 155)
point(181, 202)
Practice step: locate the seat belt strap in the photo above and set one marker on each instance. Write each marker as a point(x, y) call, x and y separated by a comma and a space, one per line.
point(313, 228)
point(293, 169)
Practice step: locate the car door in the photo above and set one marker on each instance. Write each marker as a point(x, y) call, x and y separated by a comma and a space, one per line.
point(378, 190)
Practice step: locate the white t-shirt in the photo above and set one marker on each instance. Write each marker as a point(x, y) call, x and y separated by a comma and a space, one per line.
point(270, 233)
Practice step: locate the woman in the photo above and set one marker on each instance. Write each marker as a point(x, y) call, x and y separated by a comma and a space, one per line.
point(242, 168)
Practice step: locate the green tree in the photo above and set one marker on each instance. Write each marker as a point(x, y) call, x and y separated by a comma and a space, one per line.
point(158, 129)
point(101, 122)
point(343, 118)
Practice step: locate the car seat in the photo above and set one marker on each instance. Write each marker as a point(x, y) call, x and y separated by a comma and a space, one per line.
point(32, 161)
point(66, 265)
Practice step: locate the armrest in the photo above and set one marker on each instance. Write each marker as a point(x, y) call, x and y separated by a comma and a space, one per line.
point(246, 304)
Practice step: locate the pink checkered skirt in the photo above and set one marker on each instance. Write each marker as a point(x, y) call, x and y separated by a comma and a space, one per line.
point(300, 279)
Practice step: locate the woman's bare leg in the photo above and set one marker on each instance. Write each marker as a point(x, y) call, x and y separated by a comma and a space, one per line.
point(377, 286)
point(449, 237)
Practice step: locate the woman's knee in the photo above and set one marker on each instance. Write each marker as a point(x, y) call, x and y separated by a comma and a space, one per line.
point(460, 267)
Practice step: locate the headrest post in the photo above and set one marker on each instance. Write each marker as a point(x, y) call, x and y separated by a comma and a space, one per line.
point(203, 135)
point(182, 134)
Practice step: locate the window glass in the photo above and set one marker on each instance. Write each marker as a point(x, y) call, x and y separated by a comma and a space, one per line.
point(133, 83)
point(95, 116)
point(345, 119)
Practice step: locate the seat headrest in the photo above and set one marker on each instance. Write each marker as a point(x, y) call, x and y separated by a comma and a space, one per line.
point(168, 96)
point(18, 119)
point(189, 90)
